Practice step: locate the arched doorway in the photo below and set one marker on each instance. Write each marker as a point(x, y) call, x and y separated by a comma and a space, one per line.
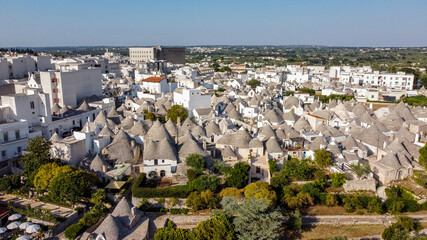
point(152, 174)
point(162, 173)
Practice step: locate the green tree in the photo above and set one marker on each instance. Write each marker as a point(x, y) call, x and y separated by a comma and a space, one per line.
point(177, 111)
point(361, 169)
point(72, 186)
point(295, 221)
point(261, 190)
point(171, 232)
point(46, 173)
point(272, 164)
point(196, 161)
point(279, 180)
point(422, 160)
point(331, 200)
point(401, 229)
point(9, 183)
point(231, 192)
point(202, 200)
point(322, 158)
point(215, 228)
point(253, 83)
point(39, 154)
point(338, 179)
point(206, 182)
point(150, 116)
point(299, 170)
point(310, 91)
point(255, 218)
point(238, 175)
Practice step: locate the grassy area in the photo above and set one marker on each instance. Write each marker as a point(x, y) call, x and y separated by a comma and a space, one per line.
point(351, 231)
point(415, 188)
point(325, 210)
point(179, 187)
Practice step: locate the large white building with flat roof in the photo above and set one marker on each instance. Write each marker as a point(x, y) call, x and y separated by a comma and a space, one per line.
point(67, 88)
point(399, 80)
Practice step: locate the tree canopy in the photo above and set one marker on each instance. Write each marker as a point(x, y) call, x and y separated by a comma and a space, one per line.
point(177, 111)
point(254, 83)
point(39, 154)
point(322, 158)
point(206, 182)
point(255, 219)
point(422, 160)
point(46, 173)
point(238, 175)
point(196, 161)
point(360, 169)
point(71, 186)
point(218, 227)
point(260, 190)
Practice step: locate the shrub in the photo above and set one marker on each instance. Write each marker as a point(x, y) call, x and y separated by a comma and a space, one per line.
point(331, 200)
point(203, 200)
point(206, 182)
point(178, 211)
point(279, 180)
point(338, 179)
point(420, 177)
point(173, 201)
point(73, 231)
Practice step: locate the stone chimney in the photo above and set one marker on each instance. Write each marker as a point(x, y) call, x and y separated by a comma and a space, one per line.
point(104, 168)
point(204, 144)
point(178, 121)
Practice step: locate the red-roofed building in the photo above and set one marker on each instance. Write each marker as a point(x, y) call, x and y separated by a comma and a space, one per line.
point(155, 85)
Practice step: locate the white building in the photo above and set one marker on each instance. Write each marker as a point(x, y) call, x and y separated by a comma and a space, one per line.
point(68, 87)
point(399, 80)
point(14, 135)
point(191, 99)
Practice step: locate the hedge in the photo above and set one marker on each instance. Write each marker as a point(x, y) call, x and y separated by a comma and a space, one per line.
point(139, 190)
point(73, 231)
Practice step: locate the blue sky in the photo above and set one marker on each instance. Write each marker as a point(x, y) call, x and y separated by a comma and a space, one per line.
point(230, 22)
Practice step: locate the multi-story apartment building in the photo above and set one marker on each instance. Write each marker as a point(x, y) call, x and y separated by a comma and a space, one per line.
point(399, 80)
point(175, 55)
point(68, 87)
point(14, 135)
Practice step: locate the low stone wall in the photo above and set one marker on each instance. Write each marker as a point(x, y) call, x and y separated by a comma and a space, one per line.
point(186, 221)
point(154, 202)
point(360, 185)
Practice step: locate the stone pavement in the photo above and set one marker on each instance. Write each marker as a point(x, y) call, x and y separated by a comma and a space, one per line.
point(23, 202)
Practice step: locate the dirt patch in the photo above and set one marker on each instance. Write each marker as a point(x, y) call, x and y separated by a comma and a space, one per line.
point(351, 231)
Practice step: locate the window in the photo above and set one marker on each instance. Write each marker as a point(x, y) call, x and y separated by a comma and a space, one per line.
point(19, 149)
point(17, 135)
point(5, 137)
point(156, 162)
point(32, 105)
point(163, 161)
point(3, 153)
point(258, 170)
